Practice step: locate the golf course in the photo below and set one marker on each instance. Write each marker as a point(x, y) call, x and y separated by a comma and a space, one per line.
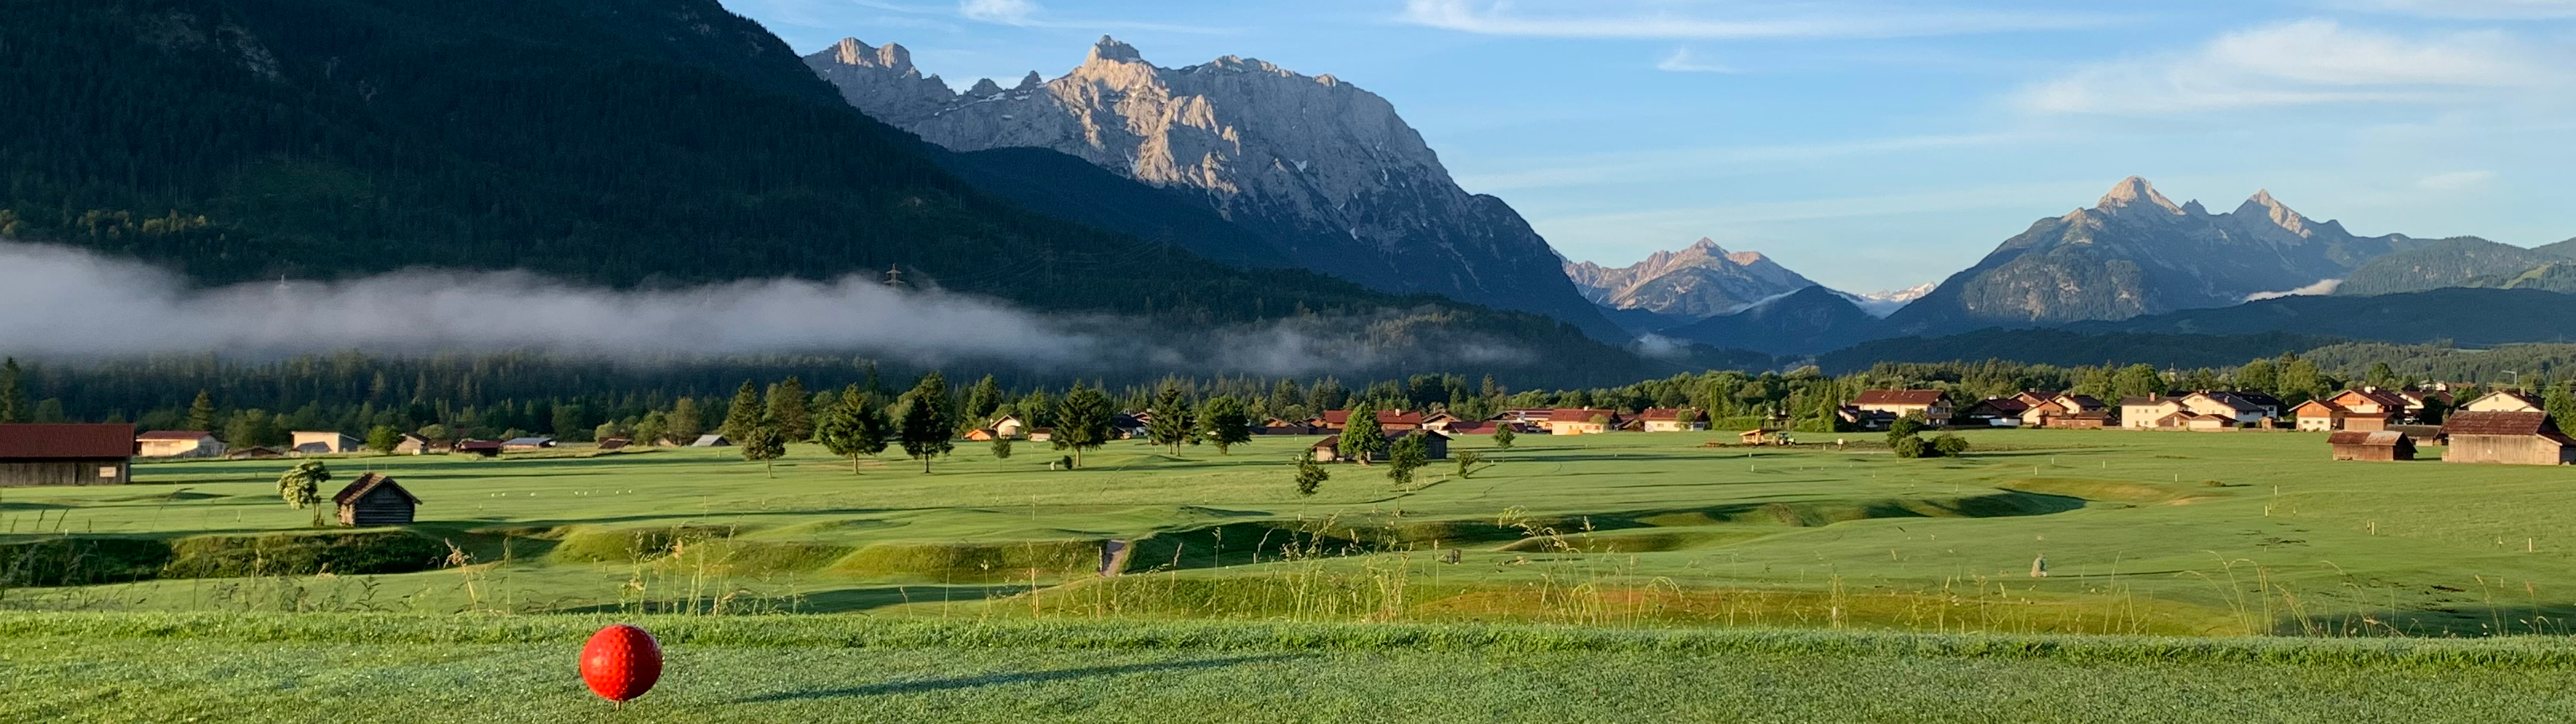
point(1591, 576)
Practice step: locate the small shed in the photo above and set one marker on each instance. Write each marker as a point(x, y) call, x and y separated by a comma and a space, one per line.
point(479, 448)
point(2379, 446)
point(615, 443)
point(711, 441)
point(254, 453)
point(523, 444)
point(413, 444)
point(375, 500)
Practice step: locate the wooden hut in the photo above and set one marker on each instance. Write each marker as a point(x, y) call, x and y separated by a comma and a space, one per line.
point(2380, 446)
point(60, 454)
point(374, 500)
point(478, 448)
point(2511, 438)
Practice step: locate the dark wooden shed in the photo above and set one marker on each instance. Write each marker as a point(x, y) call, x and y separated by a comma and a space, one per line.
point(374, 500)
point(2512, 438)
point(66, 454)
point(2380, 446)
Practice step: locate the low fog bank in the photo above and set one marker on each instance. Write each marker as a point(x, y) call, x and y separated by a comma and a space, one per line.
point(64, 302)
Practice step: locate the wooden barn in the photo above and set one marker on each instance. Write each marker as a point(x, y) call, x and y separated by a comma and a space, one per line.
point(66, 454)
point(374, 500)
point(2511, 438)
point(2381, 446)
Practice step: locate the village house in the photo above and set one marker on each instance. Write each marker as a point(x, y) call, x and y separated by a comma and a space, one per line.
point(1041, 434)
point(1671, 419)
point(416, 445)
point(1580, 421)
point(1387, 420)
point(1126, 426)
point(2235, 407)
point(2504, 401)
point(1276, 426)
point(524, 444)
point(2147, 413)
point(1010, 426)
point(1931, 405)
point(324, 443)
point(2369, 409)
point(178, 444)
point(1996, 412)
point(1525, 416)
point(65, 454)
point(1329, 449)
point(2511, 438)
point(2378, 446)
point(2318, 416)
point(2058, 410)
point(375, 500)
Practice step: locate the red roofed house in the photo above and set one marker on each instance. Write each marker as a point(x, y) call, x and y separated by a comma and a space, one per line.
point(1670, 419)
point(178, 444)
point(1931, 405)
point(1387, 420)
point(1580, 421)
point(2512, 438)
point(66, 454)
point(2369, 409)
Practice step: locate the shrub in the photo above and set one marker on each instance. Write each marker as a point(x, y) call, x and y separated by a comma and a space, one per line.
point(1950, 446)
point(1910, 446)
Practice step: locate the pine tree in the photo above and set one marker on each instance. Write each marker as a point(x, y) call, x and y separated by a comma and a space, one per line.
point(1361, 438)
point(1409, 454)
point(1503, 436)
point(685, 422)
point(764, 444)
point(1310, 476)
point(838, 427)
point(1081, 421)
point(982, 400)
point(876, 428)
point(201, 414)
point(743, 415)
point(925, 429)
point(1224, 423)
point(13, 394)
point(786, 408)
point(1171, 424)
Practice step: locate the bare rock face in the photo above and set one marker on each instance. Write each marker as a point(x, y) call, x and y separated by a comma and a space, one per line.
point(1700, 281)
point(1321, 169)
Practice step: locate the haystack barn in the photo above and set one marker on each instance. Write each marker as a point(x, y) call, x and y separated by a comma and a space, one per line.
point(66, 454)
point(179, 444)
point(324, 442)
point(2511, 438)
point(2380, 446)
point(374, 500)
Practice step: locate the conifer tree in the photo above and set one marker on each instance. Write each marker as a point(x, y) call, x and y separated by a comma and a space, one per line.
point(838, 428)
point(1310, 476)
point(743, 415)
point(786, 407)
point(1361, 438)
point(13, 394)
point(1081, 421)
point(685, 422)
point(201, 413)
point(981, 401)
point(1224, 423)
point(925, 429)
point(1171, 424)
point(764, 444)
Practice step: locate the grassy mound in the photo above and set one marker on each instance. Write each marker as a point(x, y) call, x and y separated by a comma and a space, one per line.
point(81, 560)
point(299, 554)
point(594, 544)
point(972, 562)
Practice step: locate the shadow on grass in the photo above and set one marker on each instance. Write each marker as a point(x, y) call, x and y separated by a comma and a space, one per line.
point(1017, 677)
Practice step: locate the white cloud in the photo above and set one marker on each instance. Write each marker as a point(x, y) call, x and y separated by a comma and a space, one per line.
point(2318, 289)
point(1655, 20)
point(2475, 9)
point(2455, 180)
point(2306, 62)
point(1005, 12)
point(1682, 60)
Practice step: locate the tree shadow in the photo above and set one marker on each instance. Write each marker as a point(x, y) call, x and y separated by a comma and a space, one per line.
point(1017, 677)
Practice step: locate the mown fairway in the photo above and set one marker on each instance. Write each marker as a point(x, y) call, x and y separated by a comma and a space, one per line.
point(337, 668)
point(2158, 533)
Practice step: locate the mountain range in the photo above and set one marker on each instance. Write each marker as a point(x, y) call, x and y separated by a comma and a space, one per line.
point(1323, 173)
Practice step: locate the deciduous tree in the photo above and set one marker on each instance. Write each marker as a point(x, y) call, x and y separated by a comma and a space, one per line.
point(1408, 454)
point(1361, 439)
point(1224, 423)
point(301, 487)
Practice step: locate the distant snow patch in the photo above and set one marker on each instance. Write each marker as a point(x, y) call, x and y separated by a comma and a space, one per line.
point(2318, 289)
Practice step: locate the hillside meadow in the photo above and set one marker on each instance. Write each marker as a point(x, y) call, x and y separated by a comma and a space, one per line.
point(2143, 533)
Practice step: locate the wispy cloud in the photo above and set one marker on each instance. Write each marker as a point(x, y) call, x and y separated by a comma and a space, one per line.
point(1659, 20)
point(2307, 62)
point(1669, 164)
point(2473, 9)
point(1682, 60)
point(1005, 12)
point(2455, 180)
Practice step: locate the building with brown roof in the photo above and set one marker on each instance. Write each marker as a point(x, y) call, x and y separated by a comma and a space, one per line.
point(2318, 416)
point(1386, 420)
point(1671, 419)
point(2511, 438)
point(66, 454)
point(1930, 405)
point(1580, 421)
point(178, 444)
point(375, 500)
point(2504, 401)
point(2377, 446)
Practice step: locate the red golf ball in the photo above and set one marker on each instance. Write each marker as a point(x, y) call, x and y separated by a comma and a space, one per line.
point(621, 662)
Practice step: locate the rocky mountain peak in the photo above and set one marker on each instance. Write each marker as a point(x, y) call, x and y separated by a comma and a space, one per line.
point(1110, 50)
point(985, 88)
point(1031, 81)
point(2135, 191)
point(852, 51)
point(2264, 206)
point(1695, 282)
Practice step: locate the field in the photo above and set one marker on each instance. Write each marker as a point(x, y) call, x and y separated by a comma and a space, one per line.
point(340, 667)
point(2144, 533)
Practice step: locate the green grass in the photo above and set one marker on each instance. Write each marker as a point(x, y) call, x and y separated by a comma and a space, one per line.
point(2145, 533)
point(333, 668)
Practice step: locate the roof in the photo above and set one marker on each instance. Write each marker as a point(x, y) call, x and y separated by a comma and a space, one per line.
point(2231, 400)
point(1661, 414)
point(710, 440)
point(2152, 400)
point(1384, 417)
point(368, 483)
point(66, 441)
point(2088, 402)
point(2385, 438)
point(2005, 405)
point(2383, 398)
point(529, 441)
point(1899, 397)
point(2525, 399)
point(1475, 428)
point(472, 445)
point(2499, 423)
point(2322, 406)
point(175, 435)
point(2259, 399)
point(1581, 414)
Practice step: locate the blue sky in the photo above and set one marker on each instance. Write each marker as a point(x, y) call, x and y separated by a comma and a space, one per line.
point(1875, 145)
